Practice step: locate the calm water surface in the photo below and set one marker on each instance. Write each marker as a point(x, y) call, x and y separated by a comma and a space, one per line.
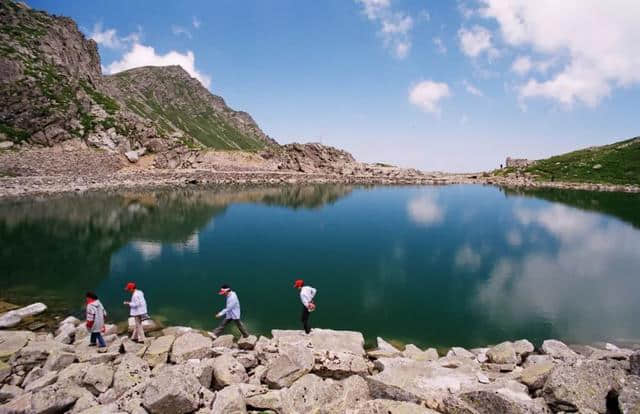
point(454, 265)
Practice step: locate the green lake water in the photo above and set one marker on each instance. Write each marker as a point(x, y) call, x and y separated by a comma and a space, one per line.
point(435, 266)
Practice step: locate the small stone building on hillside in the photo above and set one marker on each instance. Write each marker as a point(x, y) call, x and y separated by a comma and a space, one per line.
point(518, 162)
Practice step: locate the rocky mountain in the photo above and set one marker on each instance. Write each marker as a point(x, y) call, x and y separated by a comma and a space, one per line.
point(179, 105)
point(53, 90)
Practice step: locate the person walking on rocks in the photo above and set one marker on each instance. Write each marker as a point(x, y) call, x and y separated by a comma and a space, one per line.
point(307, 293)
point(231, 312)
point(95, 320)
point(138, 310)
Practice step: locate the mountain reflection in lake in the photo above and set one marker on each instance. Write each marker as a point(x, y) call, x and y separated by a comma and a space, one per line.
point(455, 265)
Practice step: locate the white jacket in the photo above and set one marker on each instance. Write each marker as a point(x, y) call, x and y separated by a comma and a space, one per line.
point(138, 305)
point(232, 308)
point(307, 293)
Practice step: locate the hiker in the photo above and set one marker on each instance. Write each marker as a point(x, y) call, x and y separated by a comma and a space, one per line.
point(231, 312)
point(95, 320)
point(138, 310)
point(307, 293)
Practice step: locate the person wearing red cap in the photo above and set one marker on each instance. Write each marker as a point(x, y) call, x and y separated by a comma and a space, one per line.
point(307, 293)
point(137, 309)
point(231, 312)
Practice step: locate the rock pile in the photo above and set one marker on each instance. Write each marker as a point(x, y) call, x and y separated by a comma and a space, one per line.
point(186, 371)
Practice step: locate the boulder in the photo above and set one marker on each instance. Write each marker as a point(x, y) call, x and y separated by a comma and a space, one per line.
point(379, 406)
point(70, 320)
point(503, 353)
point(228, 371)
point(504, 401)
point(383, 350)
point(202, 370)
point(262, 398)
point(9, 392)
point(47, 378)
point(323, 340)
point(9, 320)
point(248, 359)
point(131, 372)
point(13, 341)
point(172, 394)
point(629, 397)
point(581, 387)
point(535, 375)
point(229, 400)
point(59, 360)
point(31, 310)
point(558, 350)
point(55, 398)
point(293, 362)
point(634, 363)
point(5, 145)
point(536, 359)
point(339, 365)
point(177, 330)
point(247, 343)
point(132, 156)
point(131, 400)
point(523, 347)
point(461, 352)
point(98, 378)
point(19, 405)
point(225, 341)
point(158, 350)
point(415, 353)
point(404, 379)
point(128, 346)
point(312, 394)
point(189, 346)
point(65, 333)
point(74, 373)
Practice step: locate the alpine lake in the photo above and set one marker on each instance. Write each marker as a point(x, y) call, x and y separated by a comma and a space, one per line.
point(436, 266)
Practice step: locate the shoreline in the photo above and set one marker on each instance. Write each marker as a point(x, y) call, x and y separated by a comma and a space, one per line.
point(179, 369)
point(25, 187)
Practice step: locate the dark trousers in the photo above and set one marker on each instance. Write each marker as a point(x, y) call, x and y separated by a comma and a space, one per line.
point(305, 319)
point(225, 322)
point(97, 336)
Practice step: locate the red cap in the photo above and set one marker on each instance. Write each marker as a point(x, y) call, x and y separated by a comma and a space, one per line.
point(130, 286)
point(299, 283)
point(223, 291)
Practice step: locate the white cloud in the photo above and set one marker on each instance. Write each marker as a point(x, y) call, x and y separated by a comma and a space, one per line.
point(141, 55)
point(395, 27)
point(476, 41)
point(467, 258)
point(597, 39)
point(425, 210)
point(427, 95)
point(522, 65)
point(514, 238)
point(472, 89)
point(440, 47)
point(147, 250)
point(464, 119)
point(196, 23)
point(179, 30)
point(107, 37)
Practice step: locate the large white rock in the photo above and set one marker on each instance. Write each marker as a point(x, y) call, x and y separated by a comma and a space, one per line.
point(148, 325)
point(339, 365)
point(65, 333)
point(132, 156)
point(131, 372)
point(191, 345)
point(13, 341)
point(228, 371)
point(9, 320)
point(158, 350)
point(172, 394)
point(503, 353)
point(229, 400)
point(98, 378)
point(293, 362)
point(59, 360)
point(380, 406)
point(312, 394)
point(31, 310)
point(558, 350)
point(413, 352)
point(323, 340)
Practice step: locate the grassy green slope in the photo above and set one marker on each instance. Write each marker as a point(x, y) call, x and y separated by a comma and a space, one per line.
point(617, 163)
point(176, 106)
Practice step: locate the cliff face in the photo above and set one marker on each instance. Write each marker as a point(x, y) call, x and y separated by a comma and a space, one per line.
point(180, 105)
point(50, 82)
point(53, 90)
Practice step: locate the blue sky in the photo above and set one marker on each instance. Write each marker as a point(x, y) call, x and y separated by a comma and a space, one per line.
point(446, 85)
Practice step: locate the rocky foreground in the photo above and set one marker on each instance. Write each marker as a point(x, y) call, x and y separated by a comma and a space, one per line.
point(182, 370)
